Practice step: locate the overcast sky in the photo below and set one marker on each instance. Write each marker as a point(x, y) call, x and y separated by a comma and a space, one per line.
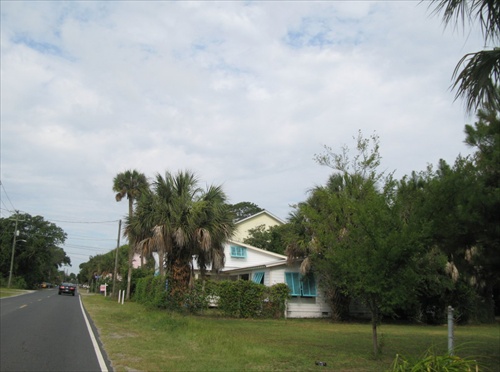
point(244, 94)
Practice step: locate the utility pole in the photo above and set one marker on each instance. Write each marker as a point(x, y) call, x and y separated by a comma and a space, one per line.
point(116, 256)
point(16, 232)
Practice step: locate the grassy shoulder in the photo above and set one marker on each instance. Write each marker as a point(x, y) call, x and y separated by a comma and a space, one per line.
point(137, 338)
point(9, 292)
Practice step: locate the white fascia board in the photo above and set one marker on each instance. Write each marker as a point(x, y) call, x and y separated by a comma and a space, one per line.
point(258, 214)
point(277, 255)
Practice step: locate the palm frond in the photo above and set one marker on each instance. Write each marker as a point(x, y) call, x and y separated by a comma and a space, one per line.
point(477, 82)
point(487, 12)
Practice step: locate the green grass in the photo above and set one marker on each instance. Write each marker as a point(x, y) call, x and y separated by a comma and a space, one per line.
point(8, 292)
point(136, 338)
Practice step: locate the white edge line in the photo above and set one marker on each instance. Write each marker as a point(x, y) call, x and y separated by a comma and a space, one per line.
point(100, 358)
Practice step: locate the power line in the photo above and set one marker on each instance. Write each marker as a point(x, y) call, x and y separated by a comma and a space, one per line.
point(7, 195)
point(78, 237)
point(6, 208)
point(81, 255)
point(83, 222)
point(87, 248)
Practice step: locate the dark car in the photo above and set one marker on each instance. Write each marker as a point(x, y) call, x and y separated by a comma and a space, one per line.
point(69, 288)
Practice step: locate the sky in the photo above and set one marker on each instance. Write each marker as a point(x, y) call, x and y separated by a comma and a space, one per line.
point(242, 93)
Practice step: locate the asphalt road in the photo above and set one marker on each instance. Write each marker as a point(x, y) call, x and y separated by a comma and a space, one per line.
point(44, 331)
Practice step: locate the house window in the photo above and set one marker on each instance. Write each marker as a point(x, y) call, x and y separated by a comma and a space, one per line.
point(238, 252)
point(258, 277)
point(301, 286)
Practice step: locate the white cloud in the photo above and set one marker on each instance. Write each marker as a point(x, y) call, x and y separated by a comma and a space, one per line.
point(242, 93)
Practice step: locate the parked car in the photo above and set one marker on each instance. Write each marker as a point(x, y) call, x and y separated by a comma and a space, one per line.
point(68, 288)
point(46, 285)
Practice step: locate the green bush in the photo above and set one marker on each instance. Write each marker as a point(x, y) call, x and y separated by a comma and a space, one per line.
point(17, 282)
point(431, 362)
point(275, 301)
point(239, 299)
point(151, 291)
point(198, 298)
point(246, 299)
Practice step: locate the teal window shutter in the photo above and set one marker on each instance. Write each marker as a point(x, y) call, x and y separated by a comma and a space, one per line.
point(301, 286)
point(293, 282)
point(238, 252)
point(309, 286)
point(258, 277)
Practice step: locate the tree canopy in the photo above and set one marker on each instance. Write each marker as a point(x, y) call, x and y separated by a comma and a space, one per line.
point(354, 237)
point(271, 239)
point(244, 209)
point(38, 254)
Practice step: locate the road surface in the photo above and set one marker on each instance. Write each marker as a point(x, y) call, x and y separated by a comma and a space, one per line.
point(44, 331)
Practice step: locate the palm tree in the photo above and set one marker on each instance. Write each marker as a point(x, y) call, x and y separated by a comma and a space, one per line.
point(139, 229)
point(191, 223)
point(477, 82)
point(130, 184)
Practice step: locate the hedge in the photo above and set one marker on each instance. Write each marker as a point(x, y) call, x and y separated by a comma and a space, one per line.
point(239, 299)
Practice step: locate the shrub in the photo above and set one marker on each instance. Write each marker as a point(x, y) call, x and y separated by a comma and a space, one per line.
point(17, 282)
point(275, 302)
point(246, 299)
point(431, 362)
point(151, 291)
point(240, 299)
point(198, 298)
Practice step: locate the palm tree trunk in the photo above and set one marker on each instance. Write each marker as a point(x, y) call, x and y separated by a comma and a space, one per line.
point(130, 265)
point(131, 250)
point(181, 275)
point(161, 260)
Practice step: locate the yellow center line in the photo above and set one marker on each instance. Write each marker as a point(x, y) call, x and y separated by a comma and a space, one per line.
point(22, 306)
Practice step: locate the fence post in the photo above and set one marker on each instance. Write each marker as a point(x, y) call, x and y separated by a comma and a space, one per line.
point(450, 330)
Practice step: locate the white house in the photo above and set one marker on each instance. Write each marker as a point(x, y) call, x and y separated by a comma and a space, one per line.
point(246, 262)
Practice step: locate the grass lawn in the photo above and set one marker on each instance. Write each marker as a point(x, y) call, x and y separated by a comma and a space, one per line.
point(8, 292)
point(136, 338)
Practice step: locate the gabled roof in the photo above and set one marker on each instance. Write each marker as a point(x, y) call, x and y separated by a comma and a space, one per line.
point(248, 246)
point(250, 268)
point(260, 213)
point(272, 258)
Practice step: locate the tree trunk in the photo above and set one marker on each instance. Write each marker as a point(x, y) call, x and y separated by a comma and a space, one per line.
point(374, 335)
point(161, 260)
point(181, 275)
point(131, 248)
point(489, 304)
point(375, 318)
point(130, 265)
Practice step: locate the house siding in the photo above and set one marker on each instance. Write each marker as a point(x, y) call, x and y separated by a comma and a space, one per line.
point(253, 258)
point(301, 307)
point(243, 226)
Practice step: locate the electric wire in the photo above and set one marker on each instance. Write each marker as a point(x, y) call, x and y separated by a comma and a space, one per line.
point(69, 248)
point(7, 195)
